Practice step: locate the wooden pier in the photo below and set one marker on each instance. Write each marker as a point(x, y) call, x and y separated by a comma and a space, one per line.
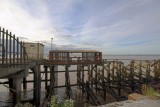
point(103, 76)
point(95, 77)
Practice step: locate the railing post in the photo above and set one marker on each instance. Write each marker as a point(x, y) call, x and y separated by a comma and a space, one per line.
point(14, 54)
point(17, 51)
point(10, 49)
point(21, 54)
point(6, 48)
point(3, 48)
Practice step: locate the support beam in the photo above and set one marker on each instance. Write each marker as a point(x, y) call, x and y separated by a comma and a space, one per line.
point(46, 76)
point(67, 82)
point(37, 85)
point(17, 90)
point(53, 79)
point(24, 84)
point(10, 80)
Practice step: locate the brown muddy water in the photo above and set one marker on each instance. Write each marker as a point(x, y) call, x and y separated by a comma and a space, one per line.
point(5, 96)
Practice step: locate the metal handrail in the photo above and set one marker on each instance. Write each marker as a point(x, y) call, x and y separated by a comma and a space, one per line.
point(13, 52)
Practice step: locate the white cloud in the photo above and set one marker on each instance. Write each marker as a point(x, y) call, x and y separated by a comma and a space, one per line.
point(103, 27)
point(22, 23)
point(135, 20)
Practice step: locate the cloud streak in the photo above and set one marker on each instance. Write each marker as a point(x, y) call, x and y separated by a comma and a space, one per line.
point(109, 26)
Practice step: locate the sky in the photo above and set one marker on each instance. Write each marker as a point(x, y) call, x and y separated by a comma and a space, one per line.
point(111, 26)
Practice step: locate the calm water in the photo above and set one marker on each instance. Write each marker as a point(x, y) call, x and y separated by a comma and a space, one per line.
point(5, 95)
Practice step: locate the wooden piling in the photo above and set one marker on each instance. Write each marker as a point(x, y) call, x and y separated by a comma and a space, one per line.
point(46, 76)
point(67, 82)
point(119, 77)
point(131, 76)
point(148, 69)
point(140, 71)
point(82, 76)
point(10, 80)
point(78, 75)
point(156, 71)
point(112, 69)
point(108, 74)
point(103, 82)
point(17, 90)
point(36, 85)
point(96, 78)
point(91, 75)
point(24, 84)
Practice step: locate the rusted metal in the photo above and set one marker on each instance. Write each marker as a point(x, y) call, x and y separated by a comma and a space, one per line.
point(64, 57)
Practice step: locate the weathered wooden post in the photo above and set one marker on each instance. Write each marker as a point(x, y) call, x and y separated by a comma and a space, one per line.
point(148, 69)
point(46, 76)
point(123, 74)
point(67, 81)
point(140, 71)
point(82, 76)
point(119, 77)
point(108, 74)
point(88, 87)
point(155, 71)
point(91, 75)
point(24, 84)
point(113, 66)
point(158, 68)
point(36, 85)
point(17, 90)
point(78, 75)
point(96, 77)
point(131, 77)
point(10, 80)
point(103, 82)
point(53, 79)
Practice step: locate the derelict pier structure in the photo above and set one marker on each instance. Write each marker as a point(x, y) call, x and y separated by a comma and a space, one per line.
point(95, 77)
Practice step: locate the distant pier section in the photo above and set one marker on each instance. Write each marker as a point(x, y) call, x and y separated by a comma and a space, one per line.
point(74, 57)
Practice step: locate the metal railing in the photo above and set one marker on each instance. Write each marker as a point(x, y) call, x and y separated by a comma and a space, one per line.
point(12, 51)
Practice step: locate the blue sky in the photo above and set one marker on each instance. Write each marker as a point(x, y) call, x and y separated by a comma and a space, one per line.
point(110, 26)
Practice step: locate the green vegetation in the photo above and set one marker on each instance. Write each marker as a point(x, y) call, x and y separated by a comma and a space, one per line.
point(69, 103)
point(54, 102)
point(152, 92)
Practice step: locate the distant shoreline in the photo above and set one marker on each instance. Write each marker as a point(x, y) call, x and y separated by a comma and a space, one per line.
point(131, 55)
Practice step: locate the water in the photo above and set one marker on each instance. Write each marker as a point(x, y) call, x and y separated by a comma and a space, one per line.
point(6, 97)
point(129, 57)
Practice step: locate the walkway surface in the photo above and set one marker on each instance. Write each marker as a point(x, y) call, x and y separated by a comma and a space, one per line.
point(8, 72)
point(138, 103)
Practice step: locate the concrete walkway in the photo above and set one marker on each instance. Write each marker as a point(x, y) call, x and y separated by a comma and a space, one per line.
point(138, 103)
